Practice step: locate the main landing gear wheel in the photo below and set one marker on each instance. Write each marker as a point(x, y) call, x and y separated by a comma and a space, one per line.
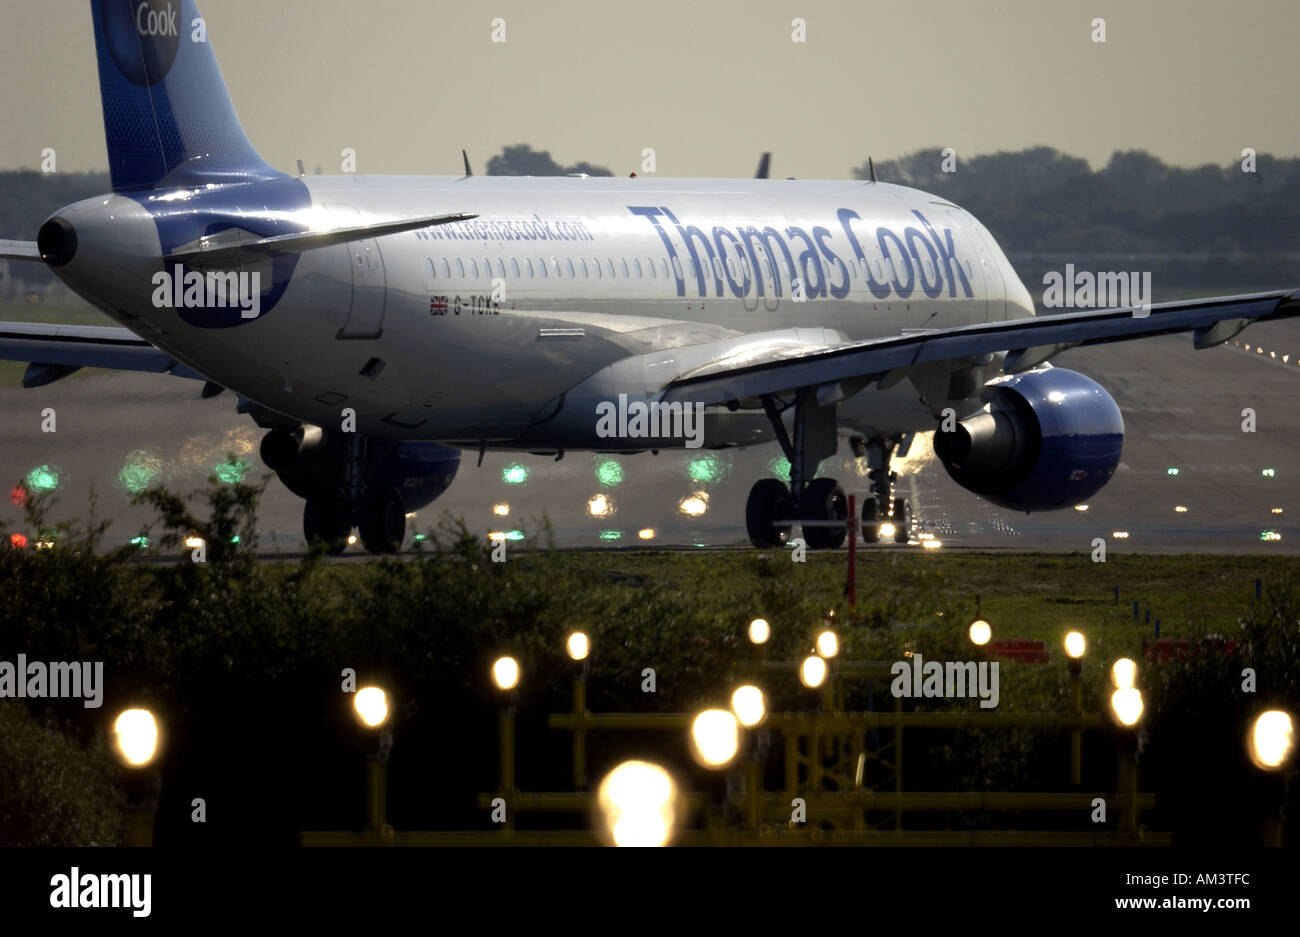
point(327, 520)
point(870, 521)
point(824, 500)
point(382, 521)
point(769, 502)
point(902, 520)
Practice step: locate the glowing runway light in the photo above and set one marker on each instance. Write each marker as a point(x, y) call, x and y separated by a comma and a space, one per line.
point(637, 801)
point(715, 738)
point(1268, 473)
point(812, 673)
point(1075, 644)
point(887, 530)
point(505, 672)
point(600, 506)
point(578, 645)
point(981, 632)
point(1180, 509)
point(1120, 534)
point(135, 735)
point(931, 544)
point(1123, 673)
point(646, 533)
point(1126, 706)
point(501, 509)
point(371, 705)
point(1271, 739)
point(1081, 508)
point(759, 631)
point(18, 541)
point(695, 505)
point(828, 644)
point(749, 706)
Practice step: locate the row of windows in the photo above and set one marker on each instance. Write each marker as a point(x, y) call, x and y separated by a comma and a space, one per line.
point(737, 268)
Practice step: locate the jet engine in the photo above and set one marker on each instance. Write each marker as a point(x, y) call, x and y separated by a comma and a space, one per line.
point(1046, 439)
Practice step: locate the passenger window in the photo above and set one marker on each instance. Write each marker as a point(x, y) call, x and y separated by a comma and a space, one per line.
point(717, 268)
point(595, 265)
point(650, 267)
point(623, 261)
point(677, 269)
point(473, 268)
point(555, 265)
point(529, 264)
point(514, 268)
point(430, 275)
point(568, 262)
point(731, 268)
point(636, 265)
point(446, 270)
point(460, 267)
point(541, 267)
point(610, 266)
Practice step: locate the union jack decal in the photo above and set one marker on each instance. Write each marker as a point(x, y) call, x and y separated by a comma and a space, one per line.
point(438, 306)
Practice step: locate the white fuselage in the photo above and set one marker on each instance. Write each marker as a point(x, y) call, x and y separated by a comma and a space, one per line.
point(481, 328)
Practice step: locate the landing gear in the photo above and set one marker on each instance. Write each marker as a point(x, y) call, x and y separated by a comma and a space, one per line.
point(382, 520)
point(769, 504)
point(879, 451)
point(327, 520)
point(824, 501)
point(335, 474)
point(818, 502)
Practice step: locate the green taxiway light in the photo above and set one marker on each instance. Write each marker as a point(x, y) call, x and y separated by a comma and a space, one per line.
point(609, 473)
point(514, 474)
point(611, 535)
point(43, 478)
point(709, 469)
point(780, 467)
point(1172, 470)
point(231, 473)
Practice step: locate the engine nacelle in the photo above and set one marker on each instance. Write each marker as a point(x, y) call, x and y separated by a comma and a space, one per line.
point(1046, 439)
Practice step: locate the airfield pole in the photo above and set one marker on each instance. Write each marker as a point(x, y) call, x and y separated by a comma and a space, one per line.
point(851, 587)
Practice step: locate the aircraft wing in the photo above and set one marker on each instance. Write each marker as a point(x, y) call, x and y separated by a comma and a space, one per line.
point(18, 250)
point(55, 351)
point(1027, 343)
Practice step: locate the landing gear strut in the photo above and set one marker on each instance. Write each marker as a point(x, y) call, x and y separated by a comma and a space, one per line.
point(882, 513)
point(333, 473)
point(819, 505)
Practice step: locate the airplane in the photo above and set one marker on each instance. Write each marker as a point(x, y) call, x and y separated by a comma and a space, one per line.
point(377, 326)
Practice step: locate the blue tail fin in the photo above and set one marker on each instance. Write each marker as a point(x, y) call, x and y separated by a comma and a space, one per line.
point(168, 118)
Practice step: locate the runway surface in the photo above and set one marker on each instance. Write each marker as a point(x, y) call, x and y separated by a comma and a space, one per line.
point(1184, 448)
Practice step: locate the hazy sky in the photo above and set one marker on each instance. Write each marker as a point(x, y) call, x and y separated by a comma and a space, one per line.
point(708, 83)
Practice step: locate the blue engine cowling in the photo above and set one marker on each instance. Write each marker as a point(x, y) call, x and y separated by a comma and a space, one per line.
point(1047, 439)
